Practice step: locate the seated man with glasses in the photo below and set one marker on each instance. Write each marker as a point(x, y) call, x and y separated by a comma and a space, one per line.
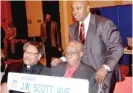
point(74, 68)
point(31, 65)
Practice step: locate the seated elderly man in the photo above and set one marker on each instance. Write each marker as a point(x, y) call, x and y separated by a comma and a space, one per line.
point(30, 64)
point(74, 68)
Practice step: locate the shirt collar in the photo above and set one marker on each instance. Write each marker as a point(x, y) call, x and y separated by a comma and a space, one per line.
point(73, 68)
point(87, 19)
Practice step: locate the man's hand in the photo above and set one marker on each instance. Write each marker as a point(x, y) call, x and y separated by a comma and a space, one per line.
point(4, 88)
point(56, 61)
point(100, 75)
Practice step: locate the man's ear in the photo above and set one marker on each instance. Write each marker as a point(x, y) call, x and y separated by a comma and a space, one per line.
point(81, 53)
point(39, 56)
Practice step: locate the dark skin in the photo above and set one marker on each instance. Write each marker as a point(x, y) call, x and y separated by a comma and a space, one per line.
point(100, 75)
point(80, 11)
point(48, 18)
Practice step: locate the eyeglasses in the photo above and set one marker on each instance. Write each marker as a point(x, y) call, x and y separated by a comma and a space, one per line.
point(30, 53)
point(70, 54)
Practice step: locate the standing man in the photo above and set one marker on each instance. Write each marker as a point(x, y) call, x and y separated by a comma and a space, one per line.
point(102, 43)
point(50, 38)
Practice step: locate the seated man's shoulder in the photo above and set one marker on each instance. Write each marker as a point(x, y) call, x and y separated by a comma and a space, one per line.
point(45, 71)
point(53, 70)
point(15, 66)
point(58, 67)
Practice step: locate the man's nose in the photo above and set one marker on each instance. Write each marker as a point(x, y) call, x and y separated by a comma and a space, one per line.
point(69, 56)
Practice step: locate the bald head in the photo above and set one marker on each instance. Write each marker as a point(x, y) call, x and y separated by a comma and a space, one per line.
point(76, 45)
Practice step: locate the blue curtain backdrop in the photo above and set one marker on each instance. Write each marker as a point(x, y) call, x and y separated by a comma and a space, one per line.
point(122, 17)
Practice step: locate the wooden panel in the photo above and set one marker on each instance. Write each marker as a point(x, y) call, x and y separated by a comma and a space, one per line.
point(95, 4)
point(100, 3)
point(64, 23)
point(124, 2)
point(34, 17)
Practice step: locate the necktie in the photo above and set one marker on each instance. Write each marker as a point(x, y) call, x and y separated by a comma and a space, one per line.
point(82, 34)
point(69, 73)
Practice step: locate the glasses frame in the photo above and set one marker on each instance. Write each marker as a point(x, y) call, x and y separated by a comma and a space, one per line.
point(30, 53)
point(70, 54)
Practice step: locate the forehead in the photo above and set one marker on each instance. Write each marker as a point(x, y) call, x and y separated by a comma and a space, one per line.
point(70, 49)
point(31, 48)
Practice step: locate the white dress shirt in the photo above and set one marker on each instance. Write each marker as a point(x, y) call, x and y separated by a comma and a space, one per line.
point(86, 26)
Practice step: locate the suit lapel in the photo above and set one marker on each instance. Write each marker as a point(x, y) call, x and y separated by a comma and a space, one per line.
point(44, 31)
point(63, 69)
point(78, 73)
point(90, 32)
point(76, 32)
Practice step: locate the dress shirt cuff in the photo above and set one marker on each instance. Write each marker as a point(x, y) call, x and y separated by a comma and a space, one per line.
point(63, 59)
point(107, 67)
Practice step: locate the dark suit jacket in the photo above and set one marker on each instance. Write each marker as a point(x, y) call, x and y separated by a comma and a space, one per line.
point(103, 44)
point(14, 67)
point(54, 34)
point(21, 68)
point(83, 72)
